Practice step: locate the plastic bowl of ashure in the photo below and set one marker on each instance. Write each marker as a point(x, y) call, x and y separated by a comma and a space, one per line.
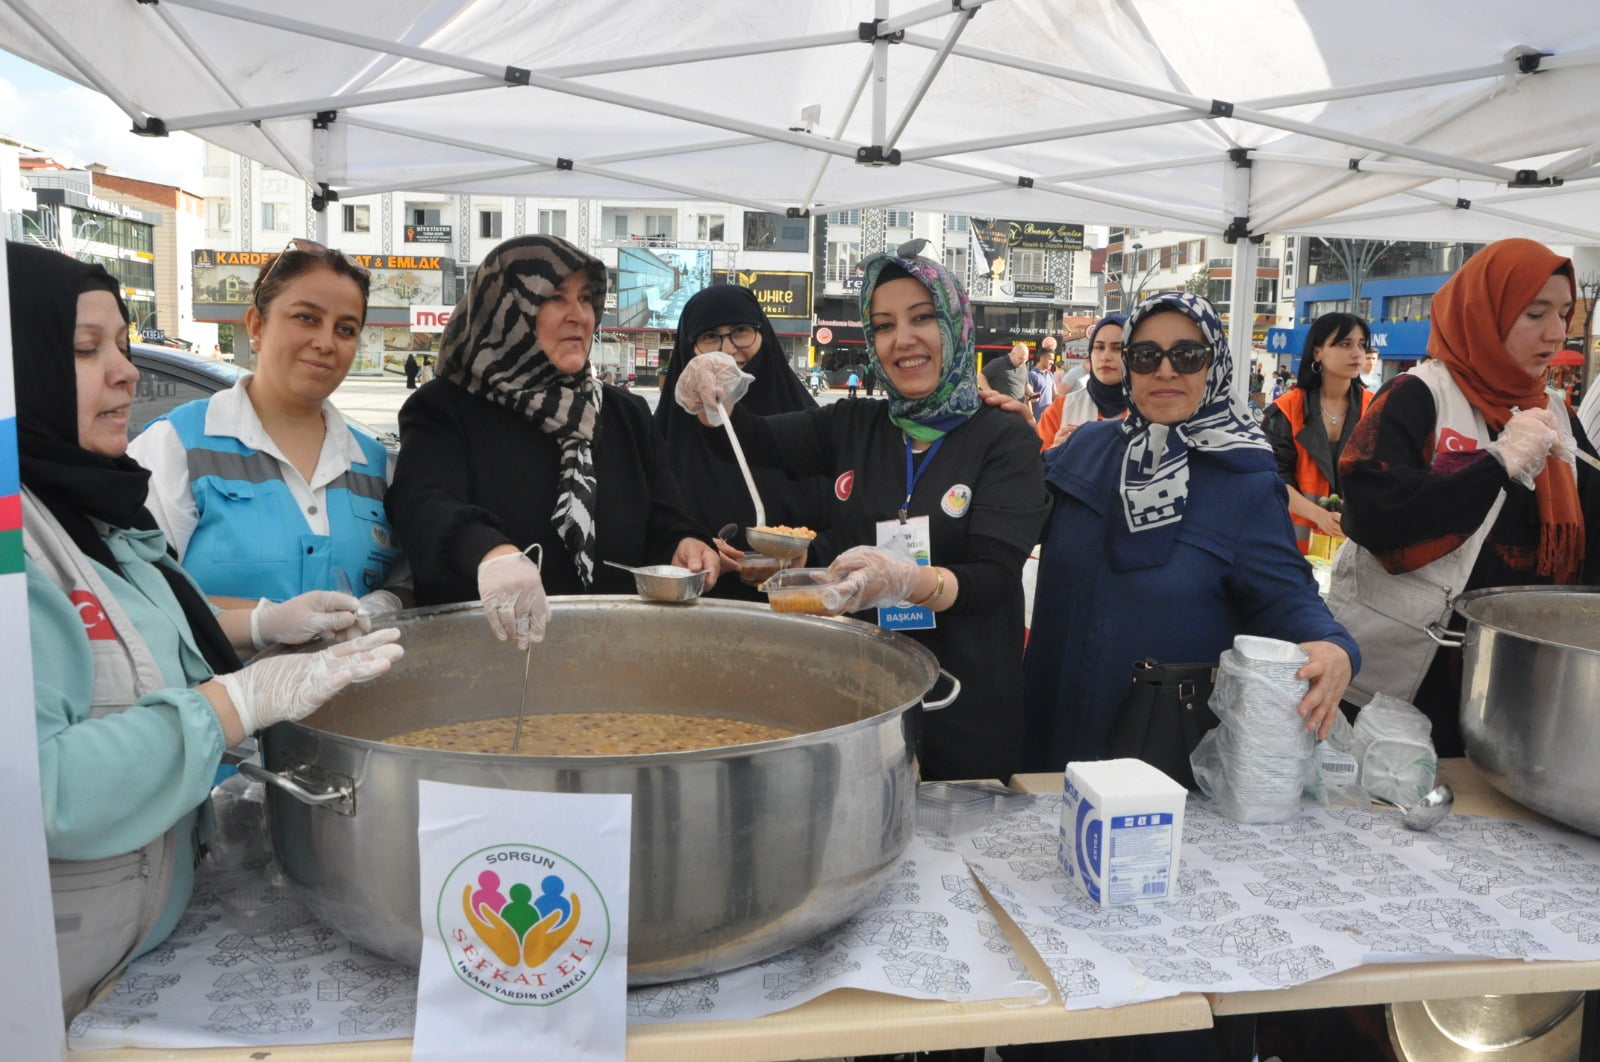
point(805, 590)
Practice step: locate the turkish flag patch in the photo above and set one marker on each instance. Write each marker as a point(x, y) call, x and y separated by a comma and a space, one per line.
point(844, 485)
point(95, 623)
point(1453, 442)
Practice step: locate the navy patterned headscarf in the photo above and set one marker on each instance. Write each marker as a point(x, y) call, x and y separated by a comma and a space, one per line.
point(956, 398)
point(1155, 467)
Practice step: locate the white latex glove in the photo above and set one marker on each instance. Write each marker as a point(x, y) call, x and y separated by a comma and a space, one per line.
point(376, 604)
point(873, 578)
point(293, 686)
point(302, 617)
point(710, 379)
point(513, 599)
point(1523, 444)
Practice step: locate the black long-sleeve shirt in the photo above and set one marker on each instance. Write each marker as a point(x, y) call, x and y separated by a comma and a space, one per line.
point(473, 475)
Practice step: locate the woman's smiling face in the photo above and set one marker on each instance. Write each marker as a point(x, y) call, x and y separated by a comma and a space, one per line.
point(906, 336)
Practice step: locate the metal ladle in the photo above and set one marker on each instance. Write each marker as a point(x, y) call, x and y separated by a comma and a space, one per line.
point(783, 547)
point(1427, 812)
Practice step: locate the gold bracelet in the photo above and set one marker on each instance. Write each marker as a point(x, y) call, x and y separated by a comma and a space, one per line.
point(938, 588)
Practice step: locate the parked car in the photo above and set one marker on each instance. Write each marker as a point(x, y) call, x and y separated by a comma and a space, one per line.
point(169, 377)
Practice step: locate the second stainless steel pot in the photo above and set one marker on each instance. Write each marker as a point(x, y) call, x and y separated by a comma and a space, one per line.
point(1530, 696)
point(737, 853)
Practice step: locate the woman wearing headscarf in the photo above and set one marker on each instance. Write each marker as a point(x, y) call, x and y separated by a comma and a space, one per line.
point(1169, 535)
point(1100, 397)
point(1461, 476)
point(1310, 424)
point(516, 443)
point(137, 684)
point(727, 318)
point(930, 470)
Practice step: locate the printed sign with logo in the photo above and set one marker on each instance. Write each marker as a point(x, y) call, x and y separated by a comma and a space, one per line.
point(524, 904)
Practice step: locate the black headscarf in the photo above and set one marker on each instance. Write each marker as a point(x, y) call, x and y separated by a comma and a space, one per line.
point(1108, 398)
point(73, 483)
point(713, 490)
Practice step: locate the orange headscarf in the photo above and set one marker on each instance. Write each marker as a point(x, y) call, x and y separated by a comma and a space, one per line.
point(1472, 314)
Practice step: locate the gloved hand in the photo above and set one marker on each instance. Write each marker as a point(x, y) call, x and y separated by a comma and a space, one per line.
point(707, 379)
point(873, 578)
point(376, 604)
point(1524, 442)
point(293, 686)
point(302, 617)
point(513, 599)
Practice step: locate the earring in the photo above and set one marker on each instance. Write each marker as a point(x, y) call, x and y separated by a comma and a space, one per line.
point(1316, 367)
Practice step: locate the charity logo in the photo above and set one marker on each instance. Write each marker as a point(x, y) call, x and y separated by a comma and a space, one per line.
point(844, 485)
point(956, 500)
point(522, 924)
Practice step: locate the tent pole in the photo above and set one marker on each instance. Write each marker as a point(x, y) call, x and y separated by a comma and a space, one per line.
point(1242, 312)
point(321, 134)
point(880, 79)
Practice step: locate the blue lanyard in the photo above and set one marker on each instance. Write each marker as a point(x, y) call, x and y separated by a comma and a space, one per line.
point(914, 472)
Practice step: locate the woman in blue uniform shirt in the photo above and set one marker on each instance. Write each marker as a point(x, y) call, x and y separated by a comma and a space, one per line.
point(263, 490)
point(137, 687)
point(931, 461)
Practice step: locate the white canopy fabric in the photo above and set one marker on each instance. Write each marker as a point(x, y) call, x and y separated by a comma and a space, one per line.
point(1473, 119)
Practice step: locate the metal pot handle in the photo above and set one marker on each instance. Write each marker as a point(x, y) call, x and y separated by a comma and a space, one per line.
point(338, 796)
point(955, 691)
point(1447, 638)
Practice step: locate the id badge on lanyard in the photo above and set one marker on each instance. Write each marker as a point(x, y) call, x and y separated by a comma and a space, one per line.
point(909, 536)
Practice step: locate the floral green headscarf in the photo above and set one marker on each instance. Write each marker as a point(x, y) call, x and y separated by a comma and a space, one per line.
point(956, 397)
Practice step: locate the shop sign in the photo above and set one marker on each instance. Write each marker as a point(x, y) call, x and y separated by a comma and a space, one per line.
point(430, 318)
point(781, 294)
point(427, 233)
point(824, 336)
point(1028, 289)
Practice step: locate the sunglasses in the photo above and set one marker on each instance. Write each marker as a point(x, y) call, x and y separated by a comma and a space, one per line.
point(1186, 356)
point(306, 247)
point(743, 337)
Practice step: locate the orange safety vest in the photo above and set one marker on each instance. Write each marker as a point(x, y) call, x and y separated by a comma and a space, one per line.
point(1308, 476)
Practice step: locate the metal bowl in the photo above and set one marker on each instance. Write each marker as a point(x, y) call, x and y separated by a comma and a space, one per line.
point(738, 853)
point(668, 582)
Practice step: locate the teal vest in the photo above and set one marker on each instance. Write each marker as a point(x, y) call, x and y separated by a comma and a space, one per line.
point(253, 541)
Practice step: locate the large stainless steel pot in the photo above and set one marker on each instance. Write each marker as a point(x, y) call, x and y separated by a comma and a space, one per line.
point(1530, 696)
point(738, 853)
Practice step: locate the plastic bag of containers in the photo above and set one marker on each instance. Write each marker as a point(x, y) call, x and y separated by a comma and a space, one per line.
point(1257, 761)
point(1337, 779)
point(1393, 747)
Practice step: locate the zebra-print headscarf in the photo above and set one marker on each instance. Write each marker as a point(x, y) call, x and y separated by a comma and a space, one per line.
point(1155, 467)
point(489, 348)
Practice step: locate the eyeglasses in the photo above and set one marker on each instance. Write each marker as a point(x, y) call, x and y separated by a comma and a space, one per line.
point(743, 337)
point(309, 247)
point(1186, 356)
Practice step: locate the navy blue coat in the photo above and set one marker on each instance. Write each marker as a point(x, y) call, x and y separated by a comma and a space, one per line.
point(1234, 570)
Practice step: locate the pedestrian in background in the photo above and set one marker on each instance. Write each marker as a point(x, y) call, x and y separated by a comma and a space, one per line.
point(1007, 374)
point(412, 368)
point(1309, 424)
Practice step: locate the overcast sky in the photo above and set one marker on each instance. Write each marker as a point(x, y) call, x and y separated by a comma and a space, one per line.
point(77, 126)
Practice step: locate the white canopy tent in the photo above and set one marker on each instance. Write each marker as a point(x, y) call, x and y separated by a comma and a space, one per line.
point(1399, 119)
point(1365, 118)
